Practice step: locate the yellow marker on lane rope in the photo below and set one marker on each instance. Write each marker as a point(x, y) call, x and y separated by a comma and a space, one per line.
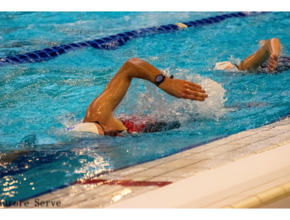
point(181, 25)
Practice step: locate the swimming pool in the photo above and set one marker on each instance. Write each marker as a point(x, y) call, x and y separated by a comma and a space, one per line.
point(39, 100)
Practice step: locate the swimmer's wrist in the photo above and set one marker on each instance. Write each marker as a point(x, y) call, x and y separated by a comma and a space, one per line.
point(163, 85)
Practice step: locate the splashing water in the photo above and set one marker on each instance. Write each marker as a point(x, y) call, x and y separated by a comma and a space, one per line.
point(97, 166)
point(144, 98)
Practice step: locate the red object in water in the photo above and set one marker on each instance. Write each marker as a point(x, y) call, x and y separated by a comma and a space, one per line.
point(133, 127)
point(135, 123)
point(122, 182)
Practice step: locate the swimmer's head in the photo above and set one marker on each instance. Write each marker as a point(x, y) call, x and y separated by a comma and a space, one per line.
point(95, 128)
point(110, 131)
point(226, 65)
point(223, 65)
point(86, 127)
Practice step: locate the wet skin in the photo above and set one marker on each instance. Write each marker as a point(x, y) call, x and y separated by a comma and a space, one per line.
point(101, 109)
point(269, 52)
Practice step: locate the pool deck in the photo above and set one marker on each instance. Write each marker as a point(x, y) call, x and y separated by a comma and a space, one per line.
point(248, 169)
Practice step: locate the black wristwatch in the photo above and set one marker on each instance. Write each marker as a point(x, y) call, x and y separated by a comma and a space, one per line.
point(159, 79)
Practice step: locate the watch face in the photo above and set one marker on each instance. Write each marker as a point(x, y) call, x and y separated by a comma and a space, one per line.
point(159, 78)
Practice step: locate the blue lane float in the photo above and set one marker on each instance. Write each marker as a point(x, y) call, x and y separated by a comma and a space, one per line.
point(113, 42)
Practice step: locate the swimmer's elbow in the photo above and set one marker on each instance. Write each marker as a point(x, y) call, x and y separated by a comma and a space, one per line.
point(132, 66)
point(134, 61)
point(274, 41)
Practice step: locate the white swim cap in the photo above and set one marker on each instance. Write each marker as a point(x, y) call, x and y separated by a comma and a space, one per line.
point(87, 127)
point(226, 65)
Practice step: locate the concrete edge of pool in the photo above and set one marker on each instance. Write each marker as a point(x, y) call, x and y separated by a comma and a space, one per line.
point(240, 184)
point(237, 171)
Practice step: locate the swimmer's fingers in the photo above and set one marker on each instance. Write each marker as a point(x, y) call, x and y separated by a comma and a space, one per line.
point(194, 88)
point(183, 89)
point(193, 95)
point(193, 84)
point(193, 92)
point(272, 61)
point(272, 64)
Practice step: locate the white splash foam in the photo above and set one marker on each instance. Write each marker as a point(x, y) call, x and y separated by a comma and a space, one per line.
point(144, 98)
point(233, 60)
point(127, 18)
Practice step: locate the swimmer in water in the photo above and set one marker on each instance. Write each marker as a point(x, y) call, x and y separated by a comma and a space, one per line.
point(269, 51)
point(99, 116)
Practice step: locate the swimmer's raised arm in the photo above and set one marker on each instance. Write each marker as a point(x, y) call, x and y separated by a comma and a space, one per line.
point(103, 106)
point(175, 87)
point(269, 51)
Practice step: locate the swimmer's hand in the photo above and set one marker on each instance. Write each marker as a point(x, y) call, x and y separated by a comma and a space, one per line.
point(183, 89)
point(272, 62)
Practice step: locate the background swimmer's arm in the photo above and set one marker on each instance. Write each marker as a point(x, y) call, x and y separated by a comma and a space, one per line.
point(269, 51)
point(103, 106)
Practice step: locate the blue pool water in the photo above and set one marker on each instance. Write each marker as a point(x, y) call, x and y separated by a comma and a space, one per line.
point(40, 100)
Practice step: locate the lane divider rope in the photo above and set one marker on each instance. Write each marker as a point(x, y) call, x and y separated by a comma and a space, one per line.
point(113, 42)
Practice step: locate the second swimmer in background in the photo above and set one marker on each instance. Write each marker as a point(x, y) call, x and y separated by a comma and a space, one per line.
point(266, 59)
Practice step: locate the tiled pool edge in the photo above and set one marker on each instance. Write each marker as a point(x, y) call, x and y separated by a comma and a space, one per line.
point(263, 198)
point(250, 177)
point(233, 147)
